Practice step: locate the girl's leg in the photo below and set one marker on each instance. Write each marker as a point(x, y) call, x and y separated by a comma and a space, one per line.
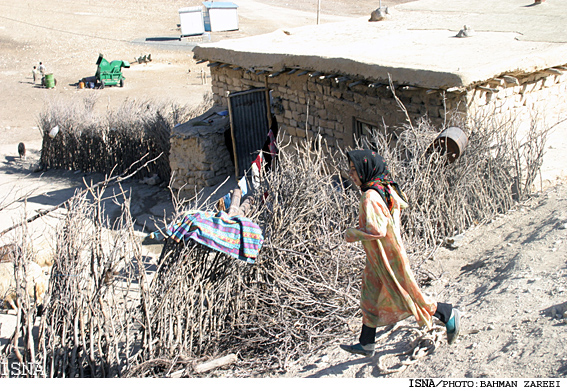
point(367, 335)
point(366, 345)
point(452, 319)
point(443, 312)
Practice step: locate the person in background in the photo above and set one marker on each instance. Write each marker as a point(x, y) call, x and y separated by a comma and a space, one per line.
point(34, 73)
point(389, 291)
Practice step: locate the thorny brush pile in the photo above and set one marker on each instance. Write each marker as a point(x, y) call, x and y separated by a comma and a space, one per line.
point(76, 137)
point(302, 292)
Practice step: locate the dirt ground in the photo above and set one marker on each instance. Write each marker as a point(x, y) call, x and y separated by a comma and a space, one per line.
point(508, 277)
point(67, 36)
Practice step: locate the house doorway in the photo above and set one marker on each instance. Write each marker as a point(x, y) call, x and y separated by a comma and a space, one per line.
point(250, 122)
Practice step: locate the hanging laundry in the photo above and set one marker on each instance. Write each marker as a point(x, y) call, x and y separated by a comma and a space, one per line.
point(236, 236)
point(272, 144)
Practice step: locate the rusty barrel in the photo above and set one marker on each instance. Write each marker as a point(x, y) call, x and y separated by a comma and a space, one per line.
point(452, 142)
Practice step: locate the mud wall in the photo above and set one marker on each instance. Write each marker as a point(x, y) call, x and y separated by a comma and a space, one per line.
point(199, 155)
point(306, 104)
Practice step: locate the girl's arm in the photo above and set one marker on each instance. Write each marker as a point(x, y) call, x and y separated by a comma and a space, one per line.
point(373, 220)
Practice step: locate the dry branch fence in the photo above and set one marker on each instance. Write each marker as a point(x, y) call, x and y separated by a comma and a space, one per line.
point(498, 168)
point(302, 292)
point(87, 324)
point(114, 141)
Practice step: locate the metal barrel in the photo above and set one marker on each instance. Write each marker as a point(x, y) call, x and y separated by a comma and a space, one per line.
point(452, 141)
point(49, 81)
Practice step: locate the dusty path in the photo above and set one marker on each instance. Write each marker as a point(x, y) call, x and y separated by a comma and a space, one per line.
point(509, 277)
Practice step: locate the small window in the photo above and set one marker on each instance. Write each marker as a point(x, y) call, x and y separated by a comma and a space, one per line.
point(364, 132)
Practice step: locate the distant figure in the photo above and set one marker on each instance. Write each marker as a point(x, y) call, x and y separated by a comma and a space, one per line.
point(465, 32)
point(379, 14)
point(22, 150)
point(144, 59)
point(34, 71)
point(41, 68)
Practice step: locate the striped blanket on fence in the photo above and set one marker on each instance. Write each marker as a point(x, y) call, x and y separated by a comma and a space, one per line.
point(236, 236)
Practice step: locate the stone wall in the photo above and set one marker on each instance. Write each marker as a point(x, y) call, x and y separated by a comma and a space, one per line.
point(521, 97)
point(199, 156)
point(309, 104)
point(305, 104)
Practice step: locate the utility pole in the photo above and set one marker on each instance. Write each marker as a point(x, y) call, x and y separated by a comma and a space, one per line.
point(318, 10)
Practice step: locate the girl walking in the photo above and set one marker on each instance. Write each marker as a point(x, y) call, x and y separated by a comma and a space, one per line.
point(389, 292)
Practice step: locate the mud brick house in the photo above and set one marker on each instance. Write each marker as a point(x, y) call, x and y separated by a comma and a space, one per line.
point(499, 57)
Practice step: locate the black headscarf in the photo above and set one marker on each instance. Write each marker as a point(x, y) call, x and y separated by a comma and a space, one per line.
point(374, 174)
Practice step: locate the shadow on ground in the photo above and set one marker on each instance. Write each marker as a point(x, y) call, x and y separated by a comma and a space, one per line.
point(394, 344)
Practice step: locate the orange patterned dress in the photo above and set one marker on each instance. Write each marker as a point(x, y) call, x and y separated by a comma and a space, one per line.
point(389, 292)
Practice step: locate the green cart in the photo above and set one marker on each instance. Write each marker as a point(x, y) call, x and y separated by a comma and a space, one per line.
point(110, 73)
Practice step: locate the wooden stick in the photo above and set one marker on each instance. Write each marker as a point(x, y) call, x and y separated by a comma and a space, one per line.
point(245, 206)
point(235, 202)
point(218, 362)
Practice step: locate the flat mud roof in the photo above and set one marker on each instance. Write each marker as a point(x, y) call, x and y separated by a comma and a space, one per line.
point(416, 44)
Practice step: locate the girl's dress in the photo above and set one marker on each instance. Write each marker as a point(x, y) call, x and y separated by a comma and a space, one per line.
point(389, 292)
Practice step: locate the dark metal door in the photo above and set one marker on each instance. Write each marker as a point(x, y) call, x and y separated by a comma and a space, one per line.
point(249, 124)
